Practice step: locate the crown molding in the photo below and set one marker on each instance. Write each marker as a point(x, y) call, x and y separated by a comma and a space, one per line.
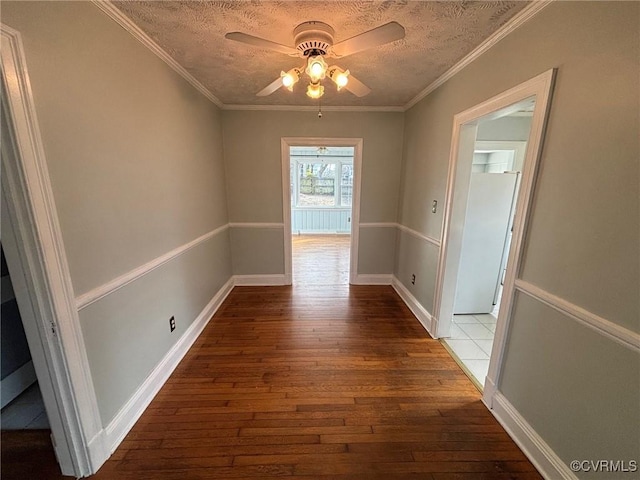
point(518, 20)
point(314, 108)
point(107, 7)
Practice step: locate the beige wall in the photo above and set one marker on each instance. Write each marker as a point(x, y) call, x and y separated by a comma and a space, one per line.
point(135, 158)
point(254, 176)
point(582, 244)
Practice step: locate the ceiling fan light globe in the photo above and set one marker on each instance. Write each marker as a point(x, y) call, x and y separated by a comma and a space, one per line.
point(342, 79)
point(315, 91)
point(316, 68)
point(289, 79)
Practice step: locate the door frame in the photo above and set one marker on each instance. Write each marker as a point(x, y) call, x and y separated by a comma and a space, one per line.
point(286, 143)
point(465, 126)
point(34, 248)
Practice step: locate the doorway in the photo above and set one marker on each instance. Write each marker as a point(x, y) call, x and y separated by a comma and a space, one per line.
point(486, 212)
point(33, 246)
point(21, 400)
point(321, 193)
point(496, 170)
point(321, 185)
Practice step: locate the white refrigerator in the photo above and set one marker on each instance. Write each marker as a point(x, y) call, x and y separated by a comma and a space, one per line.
point(485, 241)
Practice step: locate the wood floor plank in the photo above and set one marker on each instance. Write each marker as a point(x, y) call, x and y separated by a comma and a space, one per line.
point(28, 454)
point(317, 381)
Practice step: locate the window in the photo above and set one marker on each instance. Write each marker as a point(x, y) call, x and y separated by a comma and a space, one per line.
point(346, 185)
point(321, 177)
point(317, 184)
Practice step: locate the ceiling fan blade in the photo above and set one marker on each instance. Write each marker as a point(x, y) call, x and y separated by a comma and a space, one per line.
point(260, 42)
point(356, 87)
point(272, 87)
point(386, 33)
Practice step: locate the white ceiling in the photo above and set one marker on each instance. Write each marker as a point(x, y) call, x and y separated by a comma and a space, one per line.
point(438, 35)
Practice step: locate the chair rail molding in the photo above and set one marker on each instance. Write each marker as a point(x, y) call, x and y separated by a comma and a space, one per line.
point(433, 241)
point(274, 225)
point(117, 283)
point(615, 332)
point(378, 225)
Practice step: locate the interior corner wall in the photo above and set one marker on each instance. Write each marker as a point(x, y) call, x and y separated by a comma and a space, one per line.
point(134, 155)
point(578, 389)
point(252, 144)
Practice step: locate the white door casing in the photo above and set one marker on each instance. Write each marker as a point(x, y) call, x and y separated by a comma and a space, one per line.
point(286, 143)
point(462, 145)
point(53, 327)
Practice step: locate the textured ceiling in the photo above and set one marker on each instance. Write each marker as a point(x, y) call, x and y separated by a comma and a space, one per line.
point(438, 34)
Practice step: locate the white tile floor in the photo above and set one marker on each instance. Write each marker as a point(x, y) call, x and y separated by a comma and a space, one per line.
point(471, 340)
point(25, 412)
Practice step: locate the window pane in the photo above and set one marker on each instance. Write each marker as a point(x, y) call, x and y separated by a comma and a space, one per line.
point(346, 185)
point(292, 173)
point(317, 185)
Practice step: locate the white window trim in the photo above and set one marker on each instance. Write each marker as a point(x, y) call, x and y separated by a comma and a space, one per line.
point(337, 193)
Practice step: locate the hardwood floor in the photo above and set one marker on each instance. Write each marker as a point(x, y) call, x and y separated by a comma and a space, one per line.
point(320, 259)
point(28, 454)
point(317, 382)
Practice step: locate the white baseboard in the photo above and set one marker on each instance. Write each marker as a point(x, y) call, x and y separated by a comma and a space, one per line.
point(98, 450)
point(489, 391)
point(373, 279)
point(421, 313)
point(534, 447)
point(135, 407)
point(260, 280)
point(17, 382)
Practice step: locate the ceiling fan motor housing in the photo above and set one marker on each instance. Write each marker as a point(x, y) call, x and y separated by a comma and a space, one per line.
point(313, 38)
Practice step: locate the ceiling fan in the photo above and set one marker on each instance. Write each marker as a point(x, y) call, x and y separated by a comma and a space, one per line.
point(314, 41)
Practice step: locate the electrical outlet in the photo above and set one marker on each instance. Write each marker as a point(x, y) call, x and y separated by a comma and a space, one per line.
point(434, 206)
point(413, 279)
point(172, 323)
